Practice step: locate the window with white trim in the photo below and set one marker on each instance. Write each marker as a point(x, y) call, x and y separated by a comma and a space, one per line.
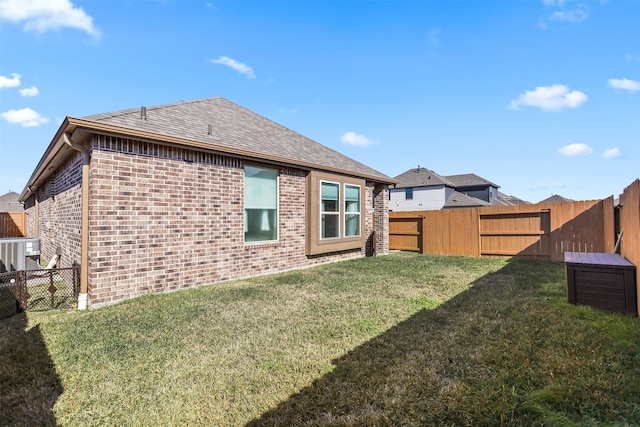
point(330, 210)
point(260, 204)
point(351, 210)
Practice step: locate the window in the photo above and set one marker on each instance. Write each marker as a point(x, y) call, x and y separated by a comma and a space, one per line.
point(335, 217)
point(260, 204)
point(351, 210)
point(408, 193)
point(330, 211)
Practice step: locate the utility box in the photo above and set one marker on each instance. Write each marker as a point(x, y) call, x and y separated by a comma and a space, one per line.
point(19, 254)
point(605, 281)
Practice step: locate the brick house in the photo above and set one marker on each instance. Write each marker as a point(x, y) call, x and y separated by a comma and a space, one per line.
point(156, 199)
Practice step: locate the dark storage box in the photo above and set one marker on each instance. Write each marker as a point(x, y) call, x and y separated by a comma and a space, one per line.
point(606, 281)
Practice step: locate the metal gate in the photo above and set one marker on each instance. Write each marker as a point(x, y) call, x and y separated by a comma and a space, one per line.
point(39, 290)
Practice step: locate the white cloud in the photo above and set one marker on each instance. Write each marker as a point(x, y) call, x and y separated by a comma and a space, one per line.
point(612, 153)
point(550, 98)
point(575, 150)
point(574, 16)
point(542, 24)
point(238, 66)
point(25, 117)
point(624, 84)
point(13, 81)
point(29, 91)
point(355, 139)
point(630, 57)
point(44, 15)
point(433, 36)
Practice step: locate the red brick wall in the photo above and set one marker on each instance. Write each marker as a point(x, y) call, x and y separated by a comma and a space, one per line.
point(381, 206)
point(165, 218)
point(60, 210)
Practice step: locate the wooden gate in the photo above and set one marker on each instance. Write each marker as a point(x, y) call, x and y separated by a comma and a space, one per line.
point(13, 224)
point(405, 233)
point(525, 234)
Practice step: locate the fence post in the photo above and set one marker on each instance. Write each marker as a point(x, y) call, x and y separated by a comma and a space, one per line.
point(52, 289)
point(75, 279)
point(423, 235)
point(22, 296)
point(25, 231)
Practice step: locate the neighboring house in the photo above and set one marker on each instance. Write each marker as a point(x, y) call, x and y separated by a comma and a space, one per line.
point(422, 189)
point(9, 202)
point(472, 185)
point(556, 198)
point(162, 198)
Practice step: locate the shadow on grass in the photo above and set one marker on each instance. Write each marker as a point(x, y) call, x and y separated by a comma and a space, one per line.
point(503, 352)
point(29, 385)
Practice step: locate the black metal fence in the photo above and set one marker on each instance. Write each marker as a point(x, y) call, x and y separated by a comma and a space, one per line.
point(39, 290)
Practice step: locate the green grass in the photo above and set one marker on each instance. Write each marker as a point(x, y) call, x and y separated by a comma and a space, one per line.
point(396, 340)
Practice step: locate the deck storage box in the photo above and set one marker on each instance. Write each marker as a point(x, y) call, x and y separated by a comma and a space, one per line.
point(605, 281)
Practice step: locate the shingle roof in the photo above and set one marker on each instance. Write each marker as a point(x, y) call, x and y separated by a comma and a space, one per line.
point(510, 200)
point(469, 180)
point(235, 128)
point(421, 177)
point(556, 198)
point(459, 200)
point(9, 202)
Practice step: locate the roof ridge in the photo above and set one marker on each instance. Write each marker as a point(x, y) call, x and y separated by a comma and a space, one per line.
point(118, 113)
point(191, 101)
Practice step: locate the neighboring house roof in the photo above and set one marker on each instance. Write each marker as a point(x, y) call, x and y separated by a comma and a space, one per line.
point(9, 202)
point(470, 180)
point(459, 200)
point(211, 124)
point(506, 200)
point(556, 198)
point(421, 177)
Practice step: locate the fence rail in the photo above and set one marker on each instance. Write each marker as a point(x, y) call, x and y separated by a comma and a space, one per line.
point(13, 224)
point(533, 231)
point(39, 290)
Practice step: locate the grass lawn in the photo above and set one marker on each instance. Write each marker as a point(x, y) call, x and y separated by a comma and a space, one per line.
point(403, 339)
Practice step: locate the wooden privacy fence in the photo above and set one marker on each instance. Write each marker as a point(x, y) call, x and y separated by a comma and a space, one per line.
point(13, 224)
point(543, 231)
point(630, 227)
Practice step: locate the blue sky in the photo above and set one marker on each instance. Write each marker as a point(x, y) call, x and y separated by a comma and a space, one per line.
point(540, 97)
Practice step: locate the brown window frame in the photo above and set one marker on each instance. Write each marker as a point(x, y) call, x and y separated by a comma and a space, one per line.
point(315, 244)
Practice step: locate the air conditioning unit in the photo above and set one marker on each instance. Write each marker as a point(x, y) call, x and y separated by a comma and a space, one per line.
point(19, 254)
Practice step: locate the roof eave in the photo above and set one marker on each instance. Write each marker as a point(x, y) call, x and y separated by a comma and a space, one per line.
point(51, 155)
point(98, 127)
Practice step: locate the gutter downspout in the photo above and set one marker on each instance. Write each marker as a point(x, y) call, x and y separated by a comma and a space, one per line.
point(37, 221)
point(84, 233)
